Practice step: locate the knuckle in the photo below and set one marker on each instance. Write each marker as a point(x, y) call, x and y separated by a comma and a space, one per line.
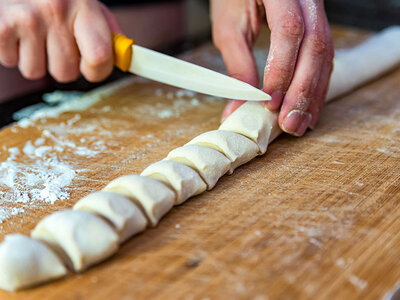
point(278, 74)
point(292, 26)
point(66, 76)
point(9, 61)
point(5, 31)
point(53, 8)
point(99, 57)
point(318, 44)
point(28, 19)
point(305, 96)
point(221, 35)
point(33, 73)
point(95, 76)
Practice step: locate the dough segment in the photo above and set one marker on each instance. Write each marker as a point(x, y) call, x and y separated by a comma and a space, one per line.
point(236, 147)
point(124, 215)
point(25, 262)
point(184, 180)
point(80, 238)
point(254, 121)
point(352, 68)
point(152, 196)
point(210, 163)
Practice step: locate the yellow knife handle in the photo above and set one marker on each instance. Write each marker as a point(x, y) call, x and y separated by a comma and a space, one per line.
point(122, 47)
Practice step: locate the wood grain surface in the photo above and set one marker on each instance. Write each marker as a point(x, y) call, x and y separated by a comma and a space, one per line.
point(317, 217)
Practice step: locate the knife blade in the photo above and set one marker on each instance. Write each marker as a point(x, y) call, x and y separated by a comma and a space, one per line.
point(172, 71)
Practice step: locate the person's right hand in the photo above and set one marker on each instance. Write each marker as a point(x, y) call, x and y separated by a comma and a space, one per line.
point(62, 37)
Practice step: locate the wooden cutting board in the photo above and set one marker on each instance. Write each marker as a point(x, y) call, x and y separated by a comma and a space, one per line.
point(317, 217)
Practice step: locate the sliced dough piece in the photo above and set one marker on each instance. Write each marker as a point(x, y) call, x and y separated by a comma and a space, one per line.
point(154, 197)
point(80, 238)
point(210, 164)
point(255, 121)
point(126, 217)
point(184, 180)
point(25, 262)
point(236, 147)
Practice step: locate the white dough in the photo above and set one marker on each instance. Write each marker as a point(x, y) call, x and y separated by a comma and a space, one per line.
point(80, 238)
point(255, 121)
point(184, 180)
point(236, 147)
point(126, 217)
point(25, 262)
point(355, 66)
point(210, 164)
point(154, 197)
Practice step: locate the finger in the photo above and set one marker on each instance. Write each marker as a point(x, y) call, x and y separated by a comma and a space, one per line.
point(32, 53)
point(285, 19)
point(295, 116)
point(323, 85)
point(93, 37)
point(62, 51)
point(230, 108)
point(239, 61)
point(240, 64)
point(111, 20)
point(8, 45)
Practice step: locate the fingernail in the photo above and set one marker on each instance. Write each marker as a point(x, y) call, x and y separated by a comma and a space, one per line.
point(276, 100)
point(296, 122)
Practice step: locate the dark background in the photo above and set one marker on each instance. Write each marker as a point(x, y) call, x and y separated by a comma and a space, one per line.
point(368, 14)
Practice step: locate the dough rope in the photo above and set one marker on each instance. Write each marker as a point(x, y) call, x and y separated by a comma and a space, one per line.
point(99, 222)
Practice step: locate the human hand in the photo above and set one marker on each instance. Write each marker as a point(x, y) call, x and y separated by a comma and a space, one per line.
point(63, 37)
point(300, 58)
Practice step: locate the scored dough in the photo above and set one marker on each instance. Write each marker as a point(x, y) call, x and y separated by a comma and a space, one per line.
point(255, 121)
point(126, 217)
point(25, 262)
point(236, 147)
point(152, 196)
point(80, 238)
point(210, 163)
point(184, 180)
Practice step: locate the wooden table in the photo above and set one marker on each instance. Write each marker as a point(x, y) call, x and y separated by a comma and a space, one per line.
point(317, 217)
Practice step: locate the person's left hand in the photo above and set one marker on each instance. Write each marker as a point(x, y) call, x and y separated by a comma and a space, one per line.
point(299, 62)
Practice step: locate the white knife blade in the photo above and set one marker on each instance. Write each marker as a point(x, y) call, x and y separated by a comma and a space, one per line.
point(172, 71)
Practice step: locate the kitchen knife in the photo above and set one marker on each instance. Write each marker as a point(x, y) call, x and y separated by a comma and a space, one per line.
point(169, 70)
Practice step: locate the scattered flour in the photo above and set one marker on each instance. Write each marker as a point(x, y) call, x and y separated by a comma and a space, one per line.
point(42, 171)
point(41, 177)
point(358, 282)
point(167, 113)
point(71, 102)
point(6, 213)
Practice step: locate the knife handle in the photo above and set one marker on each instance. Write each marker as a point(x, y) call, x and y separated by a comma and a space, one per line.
point(122, 47)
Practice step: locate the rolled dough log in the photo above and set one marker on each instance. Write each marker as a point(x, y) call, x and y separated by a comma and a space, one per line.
point(210, 164)
point(236, 147)
point(184, 180)
point(126, 217)
point(25, 262)
point(153, 197)
point(358, 65)
point(255, 122)
point(353, 67)
point(80, 238)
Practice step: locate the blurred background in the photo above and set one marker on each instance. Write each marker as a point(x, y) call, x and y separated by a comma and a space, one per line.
point(174, 26)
